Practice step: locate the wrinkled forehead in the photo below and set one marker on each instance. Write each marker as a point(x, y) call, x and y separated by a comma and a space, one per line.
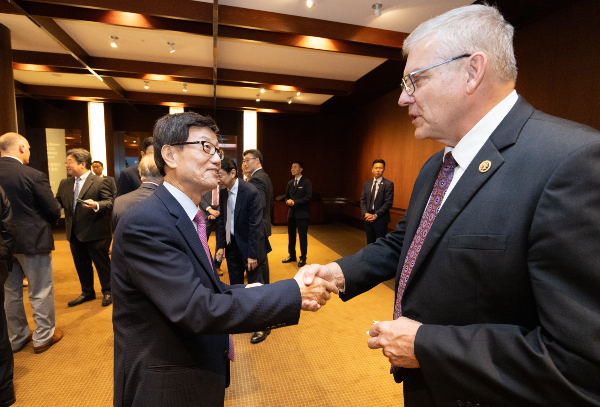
point(422, 55)
point(202, 134)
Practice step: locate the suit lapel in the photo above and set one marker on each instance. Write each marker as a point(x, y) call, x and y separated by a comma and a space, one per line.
point(473, 179)
point(69, 195)
point(91, 178)
point(241, 196)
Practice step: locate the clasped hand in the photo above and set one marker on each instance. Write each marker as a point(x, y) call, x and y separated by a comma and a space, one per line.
point(316, 293)
point(397, 340)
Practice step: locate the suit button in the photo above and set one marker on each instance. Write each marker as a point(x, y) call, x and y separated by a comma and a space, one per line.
point(459, 403)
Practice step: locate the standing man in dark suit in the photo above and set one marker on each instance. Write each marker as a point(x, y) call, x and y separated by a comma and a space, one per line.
point(88, 203)
point(35, 211)
point(211, 213)
point(129, 179)
point(151, 178)
point(375, 202)
point(253, 160)
point(7, 364)
point(98, 169)
point(172, 315)
point(297, 197)
point(496, 260)
point(241, 230)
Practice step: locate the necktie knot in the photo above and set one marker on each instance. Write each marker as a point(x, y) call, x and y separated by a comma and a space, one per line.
point(449, 161)
point(199, 218)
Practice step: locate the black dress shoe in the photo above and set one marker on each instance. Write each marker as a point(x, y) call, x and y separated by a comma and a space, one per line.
point(289, 259)
point(259, 336)
point(302, 263)
point(106, 300)
point(81, 299)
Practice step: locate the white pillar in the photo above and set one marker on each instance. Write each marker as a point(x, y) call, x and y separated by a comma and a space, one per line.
point(175, 109)
point(250, 123)
point(97, 133)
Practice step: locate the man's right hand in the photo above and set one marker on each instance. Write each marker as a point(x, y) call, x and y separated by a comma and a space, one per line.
point(331, 272)
point(316, 294)
point(219, 255)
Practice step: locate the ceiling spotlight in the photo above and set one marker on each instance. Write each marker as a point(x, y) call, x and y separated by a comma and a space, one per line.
point(146, 86)
point(298, 93)
point(377, 9)
point(185, 87)
point(310, 3)
point(172, 46)
point(289, 101)
point(113, 42)
point(262, 90)
point(258, 97)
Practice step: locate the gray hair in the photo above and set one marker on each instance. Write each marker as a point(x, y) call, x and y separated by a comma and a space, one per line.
point(81, 156)
point(148, 169)
point(467, 30)
point(11, 141)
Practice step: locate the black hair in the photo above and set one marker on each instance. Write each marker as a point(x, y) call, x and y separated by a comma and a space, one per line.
point(99, 162)
point(299, 163)
point(379, 160)
point(255, 153)
point(228, 164)
point(81, 156)
point(147, 143)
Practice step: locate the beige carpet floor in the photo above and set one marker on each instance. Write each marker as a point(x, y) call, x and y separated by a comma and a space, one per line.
point(322, 361)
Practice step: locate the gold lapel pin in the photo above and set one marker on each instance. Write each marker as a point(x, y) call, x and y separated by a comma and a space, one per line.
point(485, 166)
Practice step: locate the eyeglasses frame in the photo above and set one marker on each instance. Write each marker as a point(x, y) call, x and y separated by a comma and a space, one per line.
point(219, 151)
point(409, 76)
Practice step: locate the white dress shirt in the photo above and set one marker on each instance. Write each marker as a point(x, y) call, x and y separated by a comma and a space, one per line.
point(185, 201)
point(231, 204)
point(377, 185)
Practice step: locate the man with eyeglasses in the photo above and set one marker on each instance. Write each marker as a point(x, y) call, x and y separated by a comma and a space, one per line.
point(253, 160)
point(172, 316)
point(496, 260)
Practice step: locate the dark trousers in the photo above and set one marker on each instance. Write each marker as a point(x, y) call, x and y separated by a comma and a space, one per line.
point(236, 265)
point(84, 253)
point(375, 230)
point(302, 226)
point(7, 390)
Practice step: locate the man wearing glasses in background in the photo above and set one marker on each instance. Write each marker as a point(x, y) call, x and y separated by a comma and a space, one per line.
point(172, 315)
point(497, 259)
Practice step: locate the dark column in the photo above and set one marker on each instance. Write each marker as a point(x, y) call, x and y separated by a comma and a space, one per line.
point(8, 108)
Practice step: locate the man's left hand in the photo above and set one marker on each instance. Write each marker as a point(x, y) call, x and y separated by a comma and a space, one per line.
point(289, 202)
point(252, 264)
point(397, 339)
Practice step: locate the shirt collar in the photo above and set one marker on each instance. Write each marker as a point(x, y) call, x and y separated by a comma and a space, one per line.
point(11, 156)
point(234, 188)
point(298, 179)
point(468, 147)
point(84, 176)
point(259, 168)
point(185, 201)
point(378, 180)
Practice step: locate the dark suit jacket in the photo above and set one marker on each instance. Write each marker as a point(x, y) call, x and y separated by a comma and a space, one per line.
point(206, 202)
point(301, 196)
point(6, 237)
point(129, 180)
point(262, 182)
point(172, 314)
point(507, 280)
point(126, 202)
point(250, 233)
point(383, 200)
point(89, 225)
point(35, 210)
point(113, 185)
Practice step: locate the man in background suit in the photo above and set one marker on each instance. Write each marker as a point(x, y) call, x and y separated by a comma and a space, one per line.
point(172, 315)
point(297, 197)
point(129, 179)
point(241, 232)
point(98, 169)
point(150, 177)
point(210, 217)
point(7, 364)
point(252, 163)
point(35, 211)
point(375, 202)
point(496, 259)
point(88, 202)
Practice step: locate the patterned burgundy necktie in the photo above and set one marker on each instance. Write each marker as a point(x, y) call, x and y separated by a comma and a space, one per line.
point(199, 219)
point(433, 207)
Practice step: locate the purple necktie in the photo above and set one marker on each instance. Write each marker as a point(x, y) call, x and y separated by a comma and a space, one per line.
point(199, 219)
point(433, 207)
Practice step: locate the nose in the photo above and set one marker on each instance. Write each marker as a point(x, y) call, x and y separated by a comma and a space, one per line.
point(405, 99)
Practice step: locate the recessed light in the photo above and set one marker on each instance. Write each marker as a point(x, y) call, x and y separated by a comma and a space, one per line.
point(146, 86)
point(185, 87)
point(113, 42)
point(310, 3)
point(298, 93)
point(171, 46)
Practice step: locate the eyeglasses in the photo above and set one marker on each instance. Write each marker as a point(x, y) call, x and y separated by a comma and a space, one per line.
point(248, 160)
point(207, 147)
point(408, 81)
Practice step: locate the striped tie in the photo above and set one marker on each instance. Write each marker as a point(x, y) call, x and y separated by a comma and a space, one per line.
point(76, 193)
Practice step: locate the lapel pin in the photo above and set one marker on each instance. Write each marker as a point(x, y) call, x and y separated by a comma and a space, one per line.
point(485, 166)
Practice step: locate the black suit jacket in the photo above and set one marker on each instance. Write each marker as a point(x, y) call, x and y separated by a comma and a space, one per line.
point(128, 201)
point(507, 281)
point(89, 225)
point(262, 182)
point(113, 185)
point(35, 210)
point(301, 196)
point(250, 233)
point(6, 238)
point(172, 314)
point(129, 180)
point(383, 200)
point(206, 202)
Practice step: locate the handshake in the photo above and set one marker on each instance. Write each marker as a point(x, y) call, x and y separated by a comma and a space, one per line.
point(316, 284)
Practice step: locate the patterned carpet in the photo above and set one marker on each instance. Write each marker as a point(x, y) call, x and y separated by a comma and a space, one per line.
point(324, 360)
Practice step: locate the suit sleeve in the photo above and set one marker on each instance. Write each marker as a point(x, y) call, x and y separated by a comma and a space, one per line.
point(125, 184)
point(307, 194)
point(106, 196)
point(221, 242)
point(255, 213)
point(388, 200)
point(363, 201)
point(287, 191)
point(49, 205)
point(159, 267)
point(559, 359)
point(58, 192)
point(5, 224)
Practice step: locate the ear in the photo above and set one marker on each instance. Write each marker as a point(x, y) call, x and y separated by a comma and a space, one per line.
point(169, 154)
point(477, 68)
